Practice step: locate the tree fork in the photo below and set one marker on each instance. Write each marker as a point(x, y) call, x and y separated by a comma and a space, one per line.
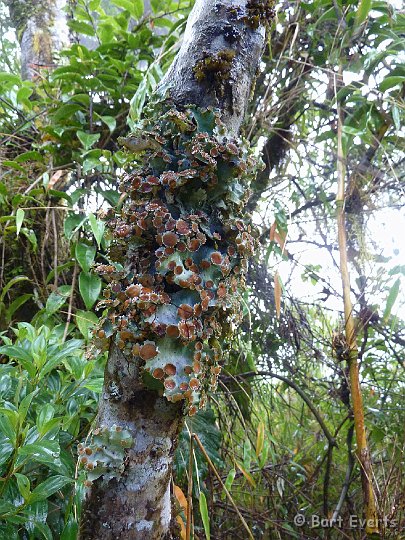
point(180, 244)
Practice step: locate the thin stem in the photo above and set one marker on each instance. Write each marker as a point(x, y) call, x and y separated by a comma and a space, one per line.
point(363, 452)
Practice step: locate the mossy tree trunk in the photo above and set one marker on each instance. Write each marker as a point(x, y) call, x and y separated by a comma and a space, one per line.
point(181, 245)
point(42, 31)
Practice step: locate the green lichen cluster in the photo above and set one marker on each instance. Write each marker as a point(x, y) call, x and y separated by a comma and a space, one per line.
point(215, 68)
point(179, 251)
point(105, 454)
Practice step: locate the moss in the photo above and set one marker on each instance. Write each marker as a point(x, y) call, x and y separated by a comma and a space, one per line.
point(259, 12)
point(215, 69)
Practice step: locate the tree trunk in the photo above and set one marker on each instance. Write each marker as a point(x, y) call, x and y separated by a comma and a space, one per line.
point(129, 490)
point(42, 31)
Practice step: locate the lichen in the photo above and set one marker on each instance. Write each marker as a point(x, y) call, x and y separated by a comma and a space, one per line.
point(179, 251)
point(104, 455)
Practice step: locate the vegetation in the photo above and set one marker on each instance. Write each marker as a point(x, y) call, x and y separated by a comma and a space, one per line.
point(278, 437)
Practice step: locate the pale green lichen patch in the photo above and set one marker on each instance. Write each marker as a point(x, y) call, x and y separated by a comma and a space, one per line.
point(104, 456)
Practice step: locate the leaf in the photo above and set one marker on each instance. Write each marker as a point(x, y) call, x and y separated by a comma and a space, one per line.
point(23, 484)
point(362, 11)
point(43, 452)
point(246, 474)
point(392, 296)
point(70, 530)
point(204, 515)
point(55, 300)
point(87, 139)
point(7, 426)
point(85, 320)
point(25, 405)
point(247, 454)
point(44, 529)
point(110, 122)
point(89, 287)
point(97, 228)
point(18, 353)
point(49, 487)
point(19, 218)
point(95, 385)
point(183, 532)
point(260, 438)
point(277, 293)
point(12, 282)
point(230, 478)
point(85, 255)
point(390, 82)
point(135, 7)
point(181, 498)
point(72, 223)
point(46, 413)
point(66, 111)
point(81, 27)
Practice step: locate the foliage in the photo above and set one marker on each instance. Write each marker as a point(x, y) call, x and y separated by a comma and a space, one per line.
point(61, 162)
point(48, 397)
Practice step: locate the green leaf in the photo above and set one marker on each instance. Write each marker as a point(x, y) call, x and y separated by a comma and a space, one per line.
point(230, 478)
point(64, 112)
point(44, 529)
point(392, 296)
point(19, 218)
point(204, 515)
point(85, 320)
point(72, 223)
point(87, 139)
point(70, 530)
point(362, 11)
point(25, 405)
point(89, 287)
point(95, 385)
point(18, 353)
point(49, 487)
point(12, 282)
point(8, 425)
point(81, 27)
point(109, 121)
point(46, 413)
point(23, 484)
point(43, 452)
point(55, 300)
point(97, 228)
point(390, 82)
point(85, 255)
point(135, 7)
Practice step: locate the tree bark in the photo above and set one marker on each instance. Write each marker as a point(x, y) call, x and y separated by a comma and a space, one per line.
point(215, 67)
point(42, 31)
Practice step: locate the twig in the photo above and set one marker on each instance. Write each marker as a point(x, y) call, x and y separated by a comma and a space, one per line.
point(69, 315)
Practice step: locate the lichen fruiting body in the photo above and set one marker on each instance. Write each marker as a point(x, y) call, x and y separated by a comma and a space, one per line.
point(179, 252)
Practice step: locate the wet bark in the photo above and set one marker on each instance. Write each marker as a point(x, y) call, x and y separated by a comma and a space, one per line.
point(215, 66)
point(42, 31)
